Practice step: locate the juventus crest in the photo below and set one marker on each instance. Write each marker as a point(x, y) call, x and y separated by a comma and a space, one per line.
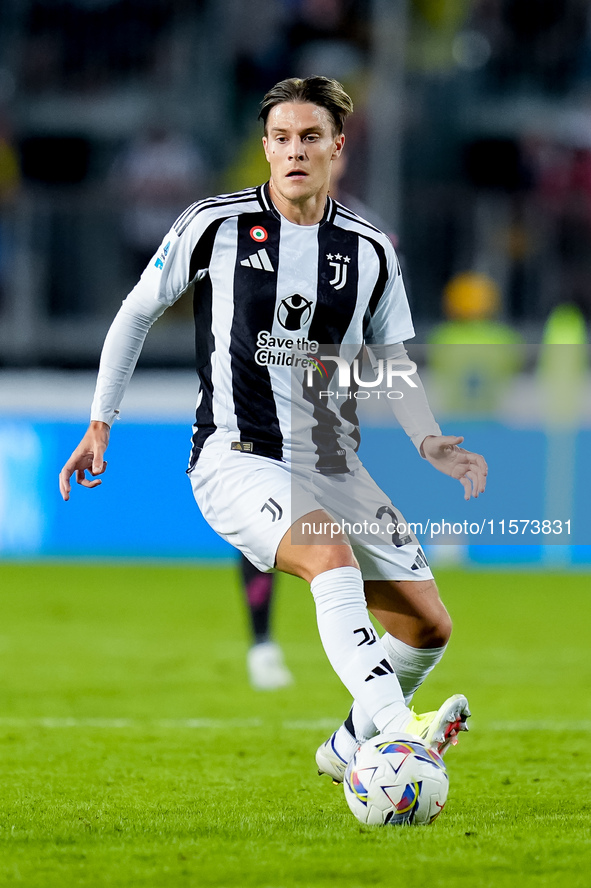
point(339, 263)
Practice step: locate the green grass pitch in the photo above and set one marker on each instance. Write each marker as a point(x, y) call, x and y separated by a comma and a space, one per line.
point(134, 753)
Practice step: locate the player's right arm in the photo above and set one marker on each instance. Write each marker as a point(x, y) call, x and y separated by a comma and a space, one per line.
point(164, 281)
point(87, 457)
point(119, 356)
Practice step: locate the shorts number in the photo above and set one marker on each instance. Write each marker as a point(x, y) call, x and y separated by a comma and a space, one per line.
point(397, 539)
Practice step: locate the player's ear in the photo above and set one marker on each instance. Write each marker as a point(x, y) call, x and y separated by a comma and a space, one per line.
point(338, 146)
point(266, 147)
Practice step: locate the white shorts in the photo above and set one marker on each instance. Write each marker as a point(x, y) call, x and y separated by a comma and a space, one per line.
point(252, 501)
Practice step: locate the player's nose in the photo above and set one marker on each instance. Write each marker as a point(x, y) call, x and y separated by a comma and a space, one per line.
point(296, 152)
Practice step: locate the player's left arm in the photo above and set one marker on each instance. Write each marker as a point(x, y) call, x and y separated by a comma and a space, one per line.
point(414, 415)
point(390, 324)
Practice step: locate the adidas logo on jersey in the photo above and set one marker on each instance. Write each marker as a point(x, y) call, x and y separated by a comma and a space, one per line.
point(259, 260)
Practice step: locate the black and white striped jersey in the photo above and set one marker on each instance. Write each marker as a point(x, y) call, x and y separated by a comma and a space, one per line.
point(270, 297)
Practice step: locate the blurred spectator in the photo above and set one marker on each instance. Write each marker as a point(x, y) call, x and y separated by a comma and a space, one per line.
point(434, 26)
point(338, 192)
point(329, 36)
point(88, 44)
point(538, 47)
point(262, 55)
point(565, 197)
point(563, 366)
point(276, 39)
point(10, 180)
point(473, 355)
point(156, 176)
point(9, 164)
point(330, 20)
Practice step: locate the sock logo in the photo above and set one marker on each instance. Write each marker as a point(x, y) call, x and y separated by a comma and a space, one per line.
point(383, 668)
point(369, 637)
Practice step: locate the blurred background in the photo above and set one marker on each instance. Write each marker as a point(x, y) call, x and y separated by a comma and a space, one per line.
point(471, 142)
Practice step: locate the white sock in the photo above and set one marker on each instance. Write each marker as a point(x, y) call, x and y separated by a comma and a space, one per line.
point(412, 666)
point(360, 724)
point(352, 646)
point(344, 743)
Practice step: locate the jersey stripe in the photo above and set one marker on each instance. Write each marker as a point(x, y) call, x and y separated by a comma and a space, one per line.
point(380, 285)
point(255, 408)
point(204, 339)
point(204, 423)
point(193, 211)
point(263, 195)
point(344, 213)
point(329, 326)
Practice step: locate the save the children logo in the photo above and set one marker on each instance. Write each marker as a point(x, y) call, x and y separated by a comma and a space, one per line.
point(294, 312)
point(285, 351)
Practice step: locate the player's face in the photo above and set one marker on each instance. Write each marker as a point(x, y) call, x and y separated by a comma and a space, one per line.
point(300, 144)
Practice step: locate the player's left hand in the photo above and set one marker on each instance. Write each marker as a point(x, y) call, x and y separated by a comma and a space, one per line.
point(470, 469)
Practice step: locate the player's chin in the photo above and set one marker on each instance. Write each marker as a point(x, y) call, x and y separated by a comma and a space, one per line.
point(297, 184)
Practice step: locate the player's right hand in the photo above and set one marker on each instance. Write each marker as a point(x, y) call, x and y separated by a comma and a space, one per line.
point(88, 457)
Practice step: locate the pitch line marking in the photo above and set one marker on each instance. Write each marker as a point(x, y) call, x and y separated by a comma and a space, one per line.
point(321, 724)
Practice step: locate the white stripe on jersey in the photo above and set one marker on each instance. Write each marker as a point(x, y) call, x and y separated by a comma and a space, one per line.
point(222, 279)
point(297, 275)
point(221, 200)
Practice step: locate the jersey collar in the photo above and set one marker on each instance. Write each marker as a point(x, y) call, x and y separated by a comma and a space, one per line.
point(267, 204)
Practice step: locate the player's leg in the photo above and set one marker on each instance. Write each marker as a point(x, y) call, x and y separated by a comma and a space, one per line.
point(265, 664)
point(418, 628)
point(402, 594)
point(253, 503)
point(317, 551)
point(425, 627)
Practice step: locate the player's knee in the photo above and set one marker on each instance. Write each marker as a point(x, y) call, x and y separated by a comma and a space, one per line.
point(309, 562)
point(330, 558)
point(435, 632)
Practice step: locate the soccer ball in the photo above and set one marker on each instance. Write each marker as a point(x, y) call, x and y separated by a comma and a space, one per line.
point(395, 779)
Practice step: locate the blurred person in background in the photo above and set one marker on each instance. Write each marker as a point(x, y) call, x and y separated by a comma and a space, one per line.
point(564, 194)
point(156, 175)
point(264, 661)
point(10, 181)
point(473, 354)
